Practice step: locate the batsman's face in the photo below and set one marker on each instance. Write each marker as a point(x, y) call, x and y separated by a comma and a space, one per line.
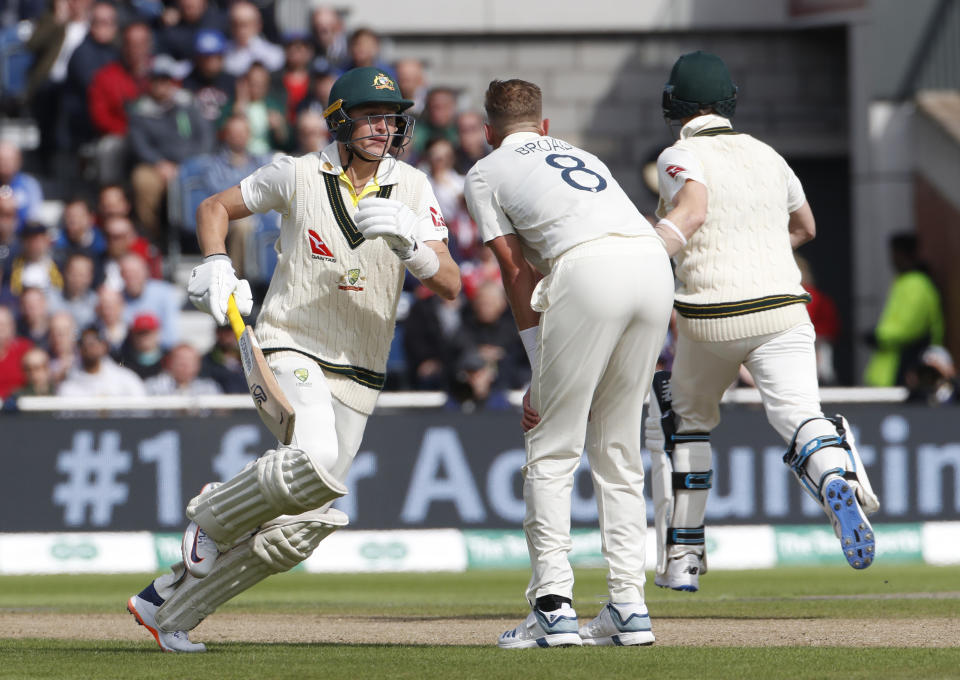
point(373, 127)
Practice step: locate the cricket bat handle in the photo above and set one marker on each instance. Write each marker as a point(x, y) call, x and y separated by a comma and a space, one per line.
point(233, 314)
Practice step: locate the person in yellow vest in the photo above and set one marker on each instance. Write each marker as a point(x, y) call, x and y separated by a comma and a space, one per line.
point(731, 212)
point(354, 221)
point(911, 321)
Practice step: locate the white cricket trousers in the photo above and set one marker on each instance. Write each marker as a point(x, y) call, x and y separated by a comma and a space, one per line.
point(326, 429)
point(604, 309)
point(783, 366)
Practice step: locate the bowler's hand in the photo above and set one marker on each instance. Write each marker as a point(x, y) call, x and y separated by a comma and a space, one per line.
point(530, 418)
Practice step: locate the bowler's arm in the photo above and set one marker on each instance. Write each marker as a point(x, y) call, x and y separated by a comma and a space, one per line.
point(519, 278)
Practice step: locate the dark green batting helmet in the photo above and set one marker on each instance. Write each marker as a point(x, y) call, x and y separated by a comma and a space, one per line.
point(361, 86)
point(699, 80)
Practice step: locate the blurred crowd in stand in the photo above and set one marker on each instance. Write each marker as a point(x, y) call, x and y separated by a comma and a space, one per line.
point(145, 107)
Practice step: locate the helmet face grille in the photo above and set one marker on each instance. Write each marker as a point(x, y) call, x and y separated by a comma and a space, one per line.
point(677, 109)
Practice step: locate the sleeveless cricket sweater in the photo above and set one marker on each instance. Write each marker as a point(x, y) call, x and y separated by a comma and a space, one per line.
point(333, 295)
point(737, 276)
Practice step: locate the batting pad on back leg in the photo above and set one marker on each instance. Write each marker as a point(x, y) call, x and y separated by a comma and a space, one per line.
point(281, 482)
point(278, 546)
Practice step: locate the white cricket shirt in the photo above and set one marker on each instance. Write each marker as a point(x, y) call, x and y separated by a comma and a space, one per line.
point(549, 193)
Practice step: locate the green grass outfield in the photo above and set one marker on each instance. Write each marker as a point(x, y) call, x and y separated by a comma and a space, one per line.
point(815, 595)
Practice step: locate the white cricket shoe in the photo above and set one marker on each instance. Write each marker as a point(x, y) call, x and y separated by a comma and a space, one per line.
point(543, 629)
point(198, 550)
point(619, 624)
point(145, 612)
point(683, 573)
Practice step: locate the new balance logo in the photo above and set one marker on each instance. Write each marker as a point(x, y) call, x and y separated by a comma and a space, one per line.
point(319, 249)
point(674, 170)
point(692, 570)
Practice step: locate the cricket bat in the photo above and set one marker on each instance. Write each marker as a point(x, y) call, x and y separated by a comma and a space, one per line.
point(272, 406)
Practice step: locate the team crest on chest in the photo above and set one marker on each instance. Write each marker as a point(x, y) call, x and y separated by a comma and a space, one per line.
point(318, 249)
point(352, 280)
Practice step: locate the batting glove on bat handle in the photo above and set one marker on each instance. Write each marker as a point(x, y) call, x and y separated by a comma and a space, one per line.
point(211, 284)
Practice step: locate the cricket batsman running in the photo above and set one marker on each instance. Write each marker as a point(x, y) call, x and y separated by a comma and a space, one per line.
point(354, 220)
point(732, 211)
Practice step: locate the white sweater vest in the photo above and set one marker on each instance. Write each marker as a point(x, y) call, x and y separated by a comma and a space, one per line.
point(333, 295)
point(737, 276)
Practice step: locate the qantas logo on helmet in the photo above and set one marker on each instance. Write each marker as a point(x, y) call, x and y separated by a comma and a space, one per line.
point(383, 82)
point(674, 170)
point(319, 249)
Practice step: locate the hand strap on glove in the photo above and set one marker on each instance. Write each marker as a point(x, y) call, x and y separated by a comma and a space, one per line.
point(423, 262)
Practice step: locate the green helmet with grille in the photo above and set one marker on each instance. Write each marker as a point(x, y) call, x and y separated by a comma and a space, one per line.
point(699, 80)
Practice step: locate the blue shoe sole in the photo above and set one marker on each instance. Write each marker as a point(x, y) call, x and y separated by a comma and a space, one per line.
point(856, 534)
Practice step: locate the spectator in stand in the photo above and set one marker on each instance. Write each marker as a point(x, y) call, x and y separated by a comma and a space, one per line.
point(166, 128)
point(143, 295)
point(363, 50)
point(122, 239)
point(912, 317)
point(78, 296)
point(212, 87)
point(439, 118)
point(26, 189)
point(227, 168)
point(9, 222)
point(141, 351)
point(471, 141)
point(111, 318)
point(34, 265)
point(413, 83)
point(312, 132)
point(62, 345)
point(55, 37)
point(487, 326)
point(39, 382)
point(447, 184)
point(247, 46)
point(265, 111)
point(97, 375)
point(933, 381)
point(112, 87)
point(78, 234)
point(825, 320)
point(96, 51)
point(318, 97)
point(33, 322)
point(222, 363)
point(182, 24)
point(181, 375)
point(298, 55)
point(429, 341)
point(482, 268)
point(12, 349)
point(474, 384)
point(330, 40)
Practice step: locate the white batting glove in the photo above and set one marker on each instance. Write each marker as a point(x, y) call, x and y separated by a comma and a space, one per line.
point(390, 220)
point(211, 284)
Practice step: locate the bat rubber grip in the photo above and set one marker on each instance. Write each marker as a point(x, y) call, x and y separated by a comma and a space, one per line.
point(236, 321)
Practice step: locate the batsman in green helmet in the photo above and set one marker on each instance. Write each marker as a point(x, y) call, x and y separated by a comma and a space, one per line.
point(731, 213)
point(354, 221)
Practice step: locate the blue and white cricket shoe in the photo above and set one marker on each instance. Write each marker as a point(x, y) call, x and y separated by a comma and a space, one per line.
point(849, 523)
point(544, 629)
point(619, 624)
point(682, 573)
